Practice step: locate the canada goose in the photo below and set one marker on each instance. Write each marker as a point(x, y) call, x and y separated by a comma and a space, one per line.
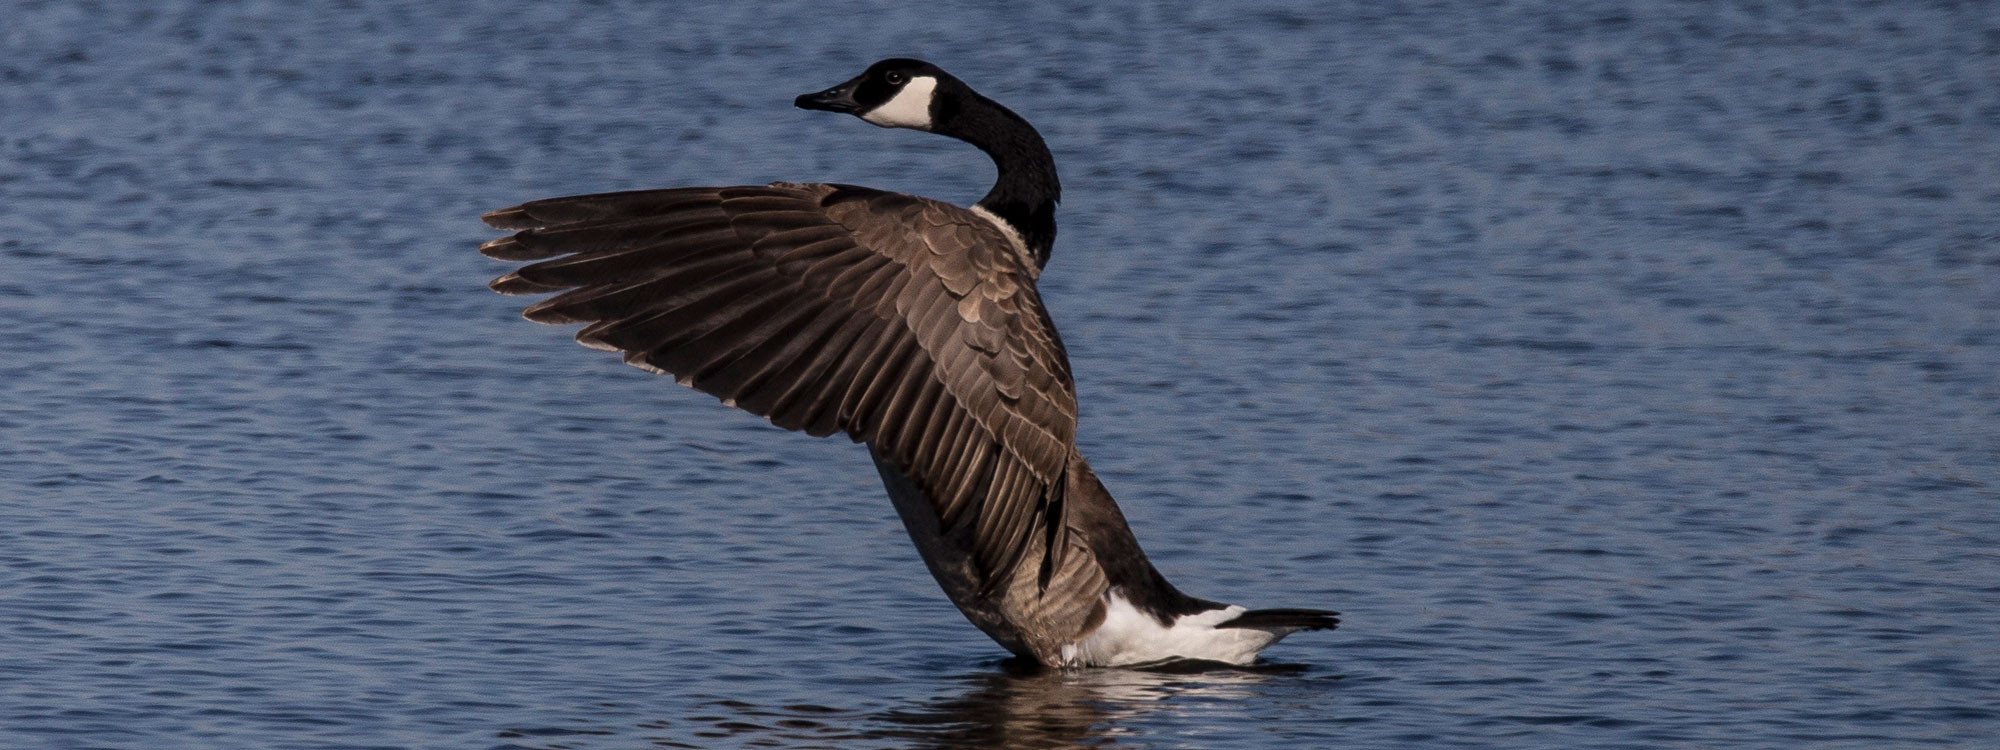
point(911, 325)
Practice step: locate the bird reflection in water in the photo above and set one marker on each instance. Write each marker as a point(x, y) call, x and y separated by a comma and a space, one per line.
point(1019, 706)
point(1025, 707)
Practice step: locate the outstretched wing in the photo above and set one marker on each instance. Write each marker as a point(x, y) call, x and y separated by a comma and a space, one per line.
point(906, 323)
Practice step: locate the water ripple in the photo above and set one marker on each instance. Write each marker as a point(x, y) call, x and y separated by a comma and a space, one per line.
point(1626, 374)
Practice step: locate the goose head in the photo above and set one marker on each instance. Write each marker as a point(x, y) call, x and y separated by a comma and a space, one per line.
point(893, 93)
point(905, 93)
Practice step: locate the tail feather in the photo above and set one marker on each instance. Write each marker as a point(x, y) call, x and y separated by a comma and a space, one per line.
point(1285, 619)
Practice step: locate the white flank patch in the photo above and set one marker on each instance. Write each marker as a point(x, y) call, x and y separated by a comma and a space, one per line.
point(1014, 237)
point(1130, 637)
point(911, 107)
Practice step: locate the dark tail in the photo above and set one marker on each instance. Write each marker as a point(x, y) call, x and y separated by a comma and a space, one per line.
point(1292, 619)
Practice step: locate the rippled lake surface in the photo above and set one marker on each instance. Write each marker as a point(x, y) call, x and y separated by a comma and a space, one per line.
point(1628, 375)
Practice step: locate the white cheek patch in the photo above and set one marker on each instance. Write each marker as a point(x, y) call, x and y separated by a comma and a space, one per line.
point(911, 107)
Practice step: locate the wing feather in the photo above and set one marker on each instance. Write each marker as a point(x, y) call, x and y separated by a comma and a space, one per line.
point(906, 323)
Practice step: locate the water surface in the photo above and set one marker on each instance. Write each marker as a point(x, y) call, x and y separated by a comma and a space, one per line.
point(1625, 373)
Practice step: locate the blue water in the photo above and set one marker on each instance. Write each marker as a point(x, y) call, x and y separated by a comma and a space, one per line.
point(1628, 375)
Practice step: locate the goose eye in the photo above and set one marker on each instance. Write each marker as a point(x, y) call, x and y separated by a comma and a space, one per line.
point(893, 78)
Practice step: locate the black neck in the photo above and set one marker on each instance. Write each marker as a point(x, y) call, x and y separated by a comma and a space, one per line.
point(1026, 192)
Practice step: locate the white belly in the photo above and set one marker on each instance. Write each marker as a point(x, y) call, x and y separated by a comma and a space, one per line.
point(1129, 637)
